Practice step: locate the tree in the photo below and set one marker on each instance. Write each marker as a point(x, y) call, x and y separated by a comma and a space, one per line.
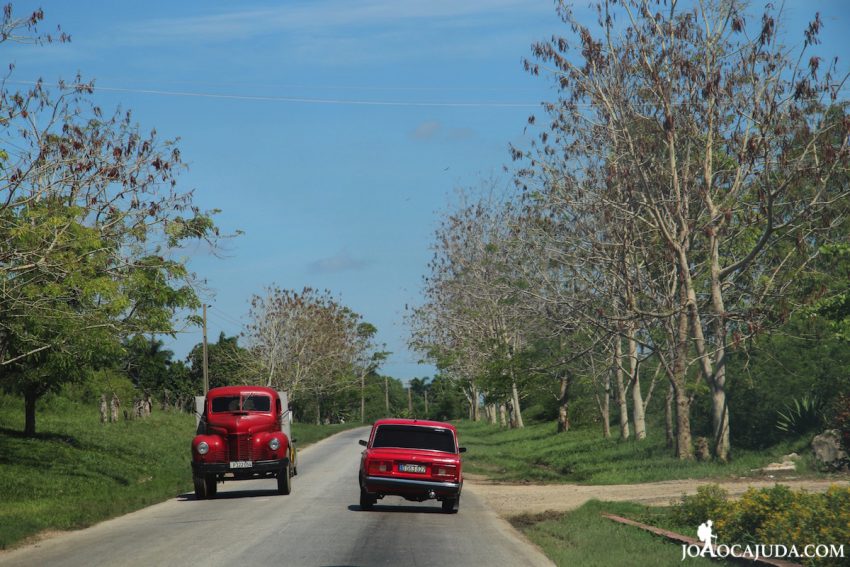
point(471, 324)
point(305, 342)
point(90, 220)
point(227, 363)
point(719, 146)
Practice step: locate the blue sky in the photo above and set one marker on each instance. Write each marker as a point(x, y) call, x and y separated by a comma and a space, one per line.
point(332, 132)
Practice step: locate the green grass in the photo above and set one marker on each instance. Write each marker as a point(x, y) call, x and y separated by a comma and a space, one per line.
point(583, 537)
point(77, 472)
point(537, 453)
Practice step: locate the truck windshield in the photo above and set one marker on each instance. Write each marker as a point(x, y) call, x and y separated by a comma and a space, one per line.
point(414, 437)
point(247, 402)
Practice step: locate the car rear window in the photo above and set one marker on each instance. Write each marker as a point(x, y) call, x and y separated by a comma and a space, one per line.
point(414, 437)
point(246, 403)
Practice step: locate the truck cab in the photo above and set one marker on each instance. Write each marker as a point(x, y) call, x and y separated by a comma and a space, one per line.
point(243, 433)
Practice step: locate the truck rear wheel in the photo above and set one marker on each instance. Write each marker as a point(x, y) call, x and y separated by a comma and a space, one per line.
point(212, 486)
point(284, 480)
point(200, 487)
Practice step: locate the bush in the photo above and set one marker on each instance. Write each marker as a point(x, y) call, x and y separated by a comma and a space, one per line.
point(803, 416)
point(775, 515)
point(741, 521)
point(708, 503)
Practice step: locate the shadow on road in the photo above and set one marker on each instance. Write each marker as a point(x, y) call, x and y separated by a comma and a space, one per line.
point(398, 509)
point(230, 494)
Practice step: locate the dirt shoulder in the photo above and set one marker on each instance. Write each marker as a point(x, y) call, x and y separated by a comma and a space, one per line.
point(514, 499)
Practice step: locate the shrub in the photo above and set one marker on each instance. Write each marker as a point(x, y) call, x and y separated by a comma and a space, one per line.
point(741, 520)
point(803, 416)
point(812, 519)
point(708, 503)
point(773, 516)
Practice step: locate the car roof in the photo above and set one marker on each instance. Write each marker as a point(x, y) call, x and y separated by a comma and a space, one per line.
point(238, 390)
point(418, 422)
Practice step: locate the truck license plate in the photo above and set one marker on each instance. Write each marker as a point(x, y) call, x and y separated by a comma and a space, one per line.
point(241, 464)
point(411, 468)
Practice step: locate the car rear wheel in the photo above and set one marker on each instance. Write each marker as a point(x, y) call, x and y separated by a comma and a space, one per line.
point(451, 505)
point(284, 480)
point(366, 500)
point(200, 487)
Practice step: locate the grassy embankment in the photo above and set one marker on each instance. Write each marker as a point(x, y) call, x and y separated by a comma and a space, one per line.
point(537, 454)
point(77, 472)
point(582, 537)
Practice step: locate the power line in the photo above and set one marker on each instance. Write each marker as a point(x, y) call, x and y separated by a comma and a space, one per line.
point(301, 100)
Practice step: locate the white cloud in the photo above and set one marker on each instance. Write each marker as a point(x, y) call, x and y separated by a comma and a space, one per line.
point(426, 131)
point(340, 262)
point(318, 15)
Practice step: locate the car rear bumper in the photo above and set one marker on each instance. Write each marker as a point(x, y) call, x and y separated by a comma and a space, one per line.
point(405, 486)
point(258, 468)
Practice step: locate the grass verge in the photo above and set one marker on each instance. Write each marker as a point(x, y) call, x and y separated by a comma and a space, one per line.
point(583, 537)
point(77, 472)
point(538, 454)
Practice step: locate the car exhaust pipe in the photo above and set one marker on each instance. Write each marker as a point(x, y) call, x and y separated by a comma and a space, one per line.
point(431, 495)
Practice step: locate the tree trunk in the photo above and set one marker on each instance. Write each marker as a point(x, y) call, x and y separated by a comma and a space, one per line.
point(621, 389)
point(493, 414)
point(503, 421)
point(605, 406)
point(318, 410)
point(720, 416)
point(476, 409)
point(684, 448)
point(668, 417)
point(564, 403)
point(517, 412)
point(30, 397)
point(637, 395)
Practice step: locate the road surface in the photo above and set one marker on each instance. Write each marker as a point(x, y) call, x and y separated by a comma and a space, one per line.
point(319, 524)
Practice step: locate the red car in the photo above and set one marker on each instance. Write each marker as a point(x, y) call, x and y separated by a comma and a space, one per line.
point(415, 459)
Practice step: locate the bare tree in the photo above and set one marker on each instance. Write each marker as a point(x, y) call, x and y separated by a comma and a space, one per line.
point(719, 146)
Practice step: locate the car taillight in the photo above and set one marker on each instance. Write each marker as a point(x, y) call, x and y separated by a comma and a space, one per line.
point(378, 467)
point(447, 471)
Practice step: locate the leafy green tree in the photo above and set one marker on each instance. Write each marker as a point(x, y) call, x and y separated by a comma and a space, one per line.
point(227, 364)
point(91, 221)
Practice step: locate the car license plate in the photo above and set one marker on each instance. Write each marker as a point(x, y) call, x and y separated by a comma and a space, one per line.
point(411, 468)
point(241, 464)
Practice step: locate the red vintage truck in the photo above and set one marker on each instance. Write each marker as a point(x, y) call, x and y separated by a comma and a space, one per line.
point(243, 433)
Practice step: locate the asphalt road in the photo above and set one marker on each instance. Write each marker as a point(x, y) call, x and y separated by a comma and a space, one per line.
point(319, 524)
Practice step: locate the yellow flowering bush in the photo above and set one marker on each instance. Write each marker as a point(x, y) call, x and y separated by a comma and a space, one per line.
point(774, 516)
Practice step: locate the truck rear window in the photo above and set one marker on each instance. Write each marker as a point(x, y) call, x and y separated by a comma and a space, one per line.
point(224, 404)
point(414, 437)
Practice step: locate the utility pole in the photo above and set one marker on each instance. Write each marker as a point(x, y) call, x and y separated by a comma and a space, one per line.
point(387, 395)
point(206, 370)
point(362, 396)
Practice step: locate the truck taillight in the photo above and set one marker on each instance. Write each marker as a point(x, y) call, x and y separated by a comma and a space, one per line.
point(449, 471)
point(376, 467)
